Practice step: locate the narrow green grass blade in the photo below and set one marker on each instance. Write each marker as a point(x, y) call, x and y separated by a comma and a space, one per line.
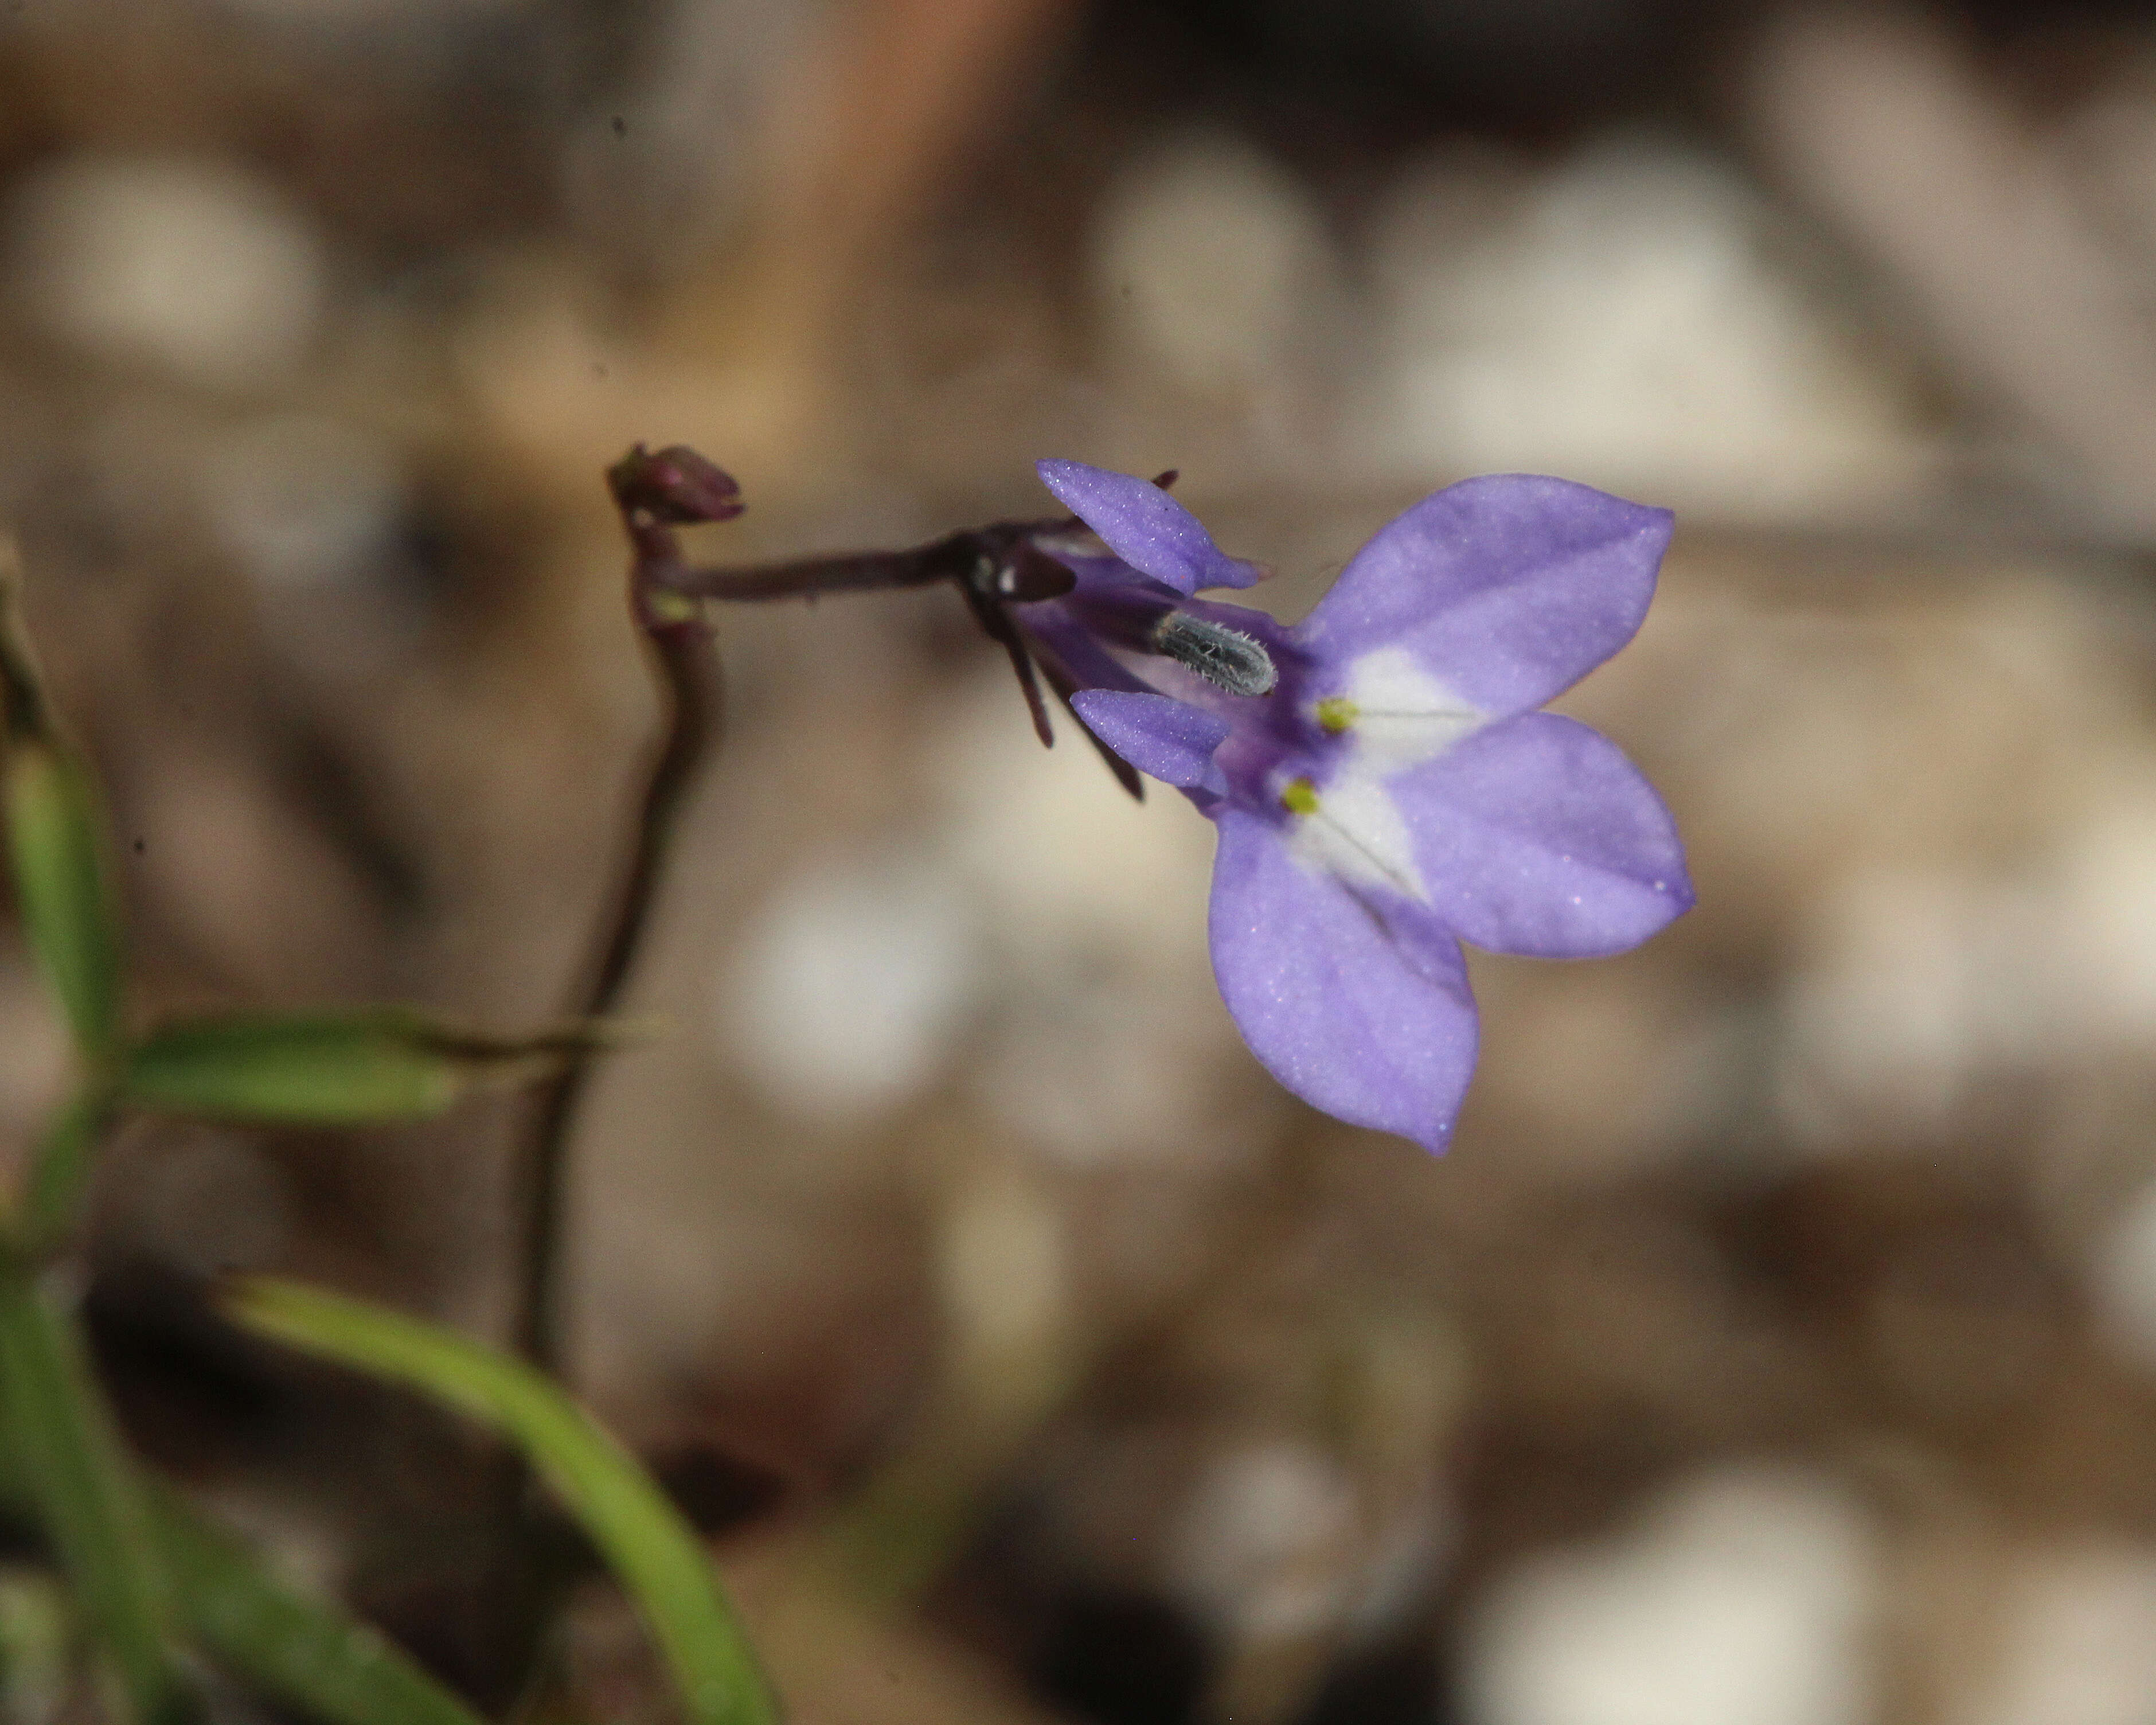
point(55, 840)
point(37, 1645)
point(285, 1644)
point(83, 1486)
point(372, 1066)
point(66, 1156)
point(657, 1558)
point(326, 1069)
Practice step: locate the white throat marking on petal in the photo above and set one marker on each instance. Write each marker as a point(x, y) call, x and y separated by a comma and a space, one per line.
point(1353, 829)
point(1398, 714)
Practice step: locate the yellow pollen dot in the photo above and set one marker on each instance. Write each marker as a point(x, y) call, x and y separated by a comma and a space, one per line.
point(1300, 797)
point(1336, 713)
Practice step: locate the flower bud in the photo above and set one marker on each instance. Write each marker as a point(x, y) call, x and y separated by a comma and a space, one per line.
point(676, 486)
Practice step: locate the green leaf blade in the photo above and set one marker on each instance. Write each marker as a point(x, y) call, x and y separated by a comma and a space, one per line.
point(66, 1158)
point(368, 1066)
point(288, 1644)
point(657, 1558)
point(83, 1487)
point(318, 1069)
point(55, 841)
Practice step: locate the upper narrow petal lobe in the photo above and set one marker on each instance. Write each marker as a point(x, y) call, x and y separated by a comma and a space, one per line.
point(1375, 1031)
point(1171, 739)
point(1144, 526)
point(1508, 588)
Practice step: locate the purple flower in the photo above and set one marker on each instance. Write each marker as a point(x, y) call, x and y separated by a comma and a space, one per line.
point(1383, 783)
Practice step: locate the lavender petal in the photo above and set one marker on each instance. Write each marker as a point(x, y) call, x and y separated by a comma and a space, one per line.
point(1144, 526)
point(1171, 739)
point(1536, 836)
point(1373, 1030)
point(1508, 588)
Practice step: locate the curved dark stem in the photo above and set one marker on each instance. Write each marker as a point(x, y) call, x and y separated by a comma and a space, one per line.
point(654, 493)
point(686, 669)
point(529, 1576)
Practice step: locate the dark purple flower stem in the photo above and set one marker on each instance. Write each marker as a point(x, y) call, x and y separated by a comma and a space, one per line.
point(654, 494)
point(994, 567)
point(687, 672)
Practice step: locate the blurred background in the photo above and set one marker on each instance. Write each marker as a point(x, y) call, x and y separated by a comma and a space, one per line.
point(1777, 1345)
